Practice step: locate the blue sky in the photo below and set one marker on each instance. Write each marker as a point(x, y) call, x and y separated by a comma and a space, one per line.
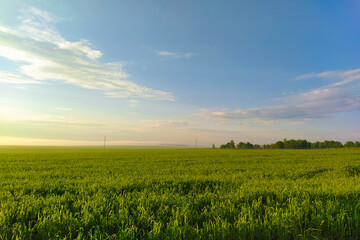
point(168, 72)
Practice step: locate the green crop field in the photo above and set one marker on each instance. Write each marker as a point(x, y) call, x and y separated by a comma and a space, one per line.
point(89, 193)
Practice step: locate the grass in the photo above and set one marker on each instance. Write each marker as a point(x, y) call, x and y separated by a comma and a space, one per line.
point(89, 193)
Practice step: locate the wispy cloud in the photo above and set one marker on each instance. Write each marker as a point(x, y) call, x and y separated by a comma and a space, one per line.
point(168, 54)
point(44, 55)
point(297, 108)
point(15, 78)
point(341, 77)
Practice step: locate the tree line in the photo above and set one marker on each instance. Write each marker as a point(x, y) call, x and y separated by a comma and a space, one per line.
point(290, 144)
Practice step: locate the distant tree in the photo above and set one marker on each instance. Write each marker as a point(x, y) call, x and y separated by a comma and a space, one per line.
point(242, 145)
point(315, 145)
point(213, 146)
point(277, 145)
point(230, 144)
point(323, 144)
point(296, 144)
point(334, 144)
point(357, 144)
point(349, 144)
point(249, 145)
point(291, 144)
point(327, 144)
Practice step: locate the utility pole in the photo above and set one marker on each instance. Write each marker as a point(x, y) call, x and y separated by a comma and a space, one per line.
point(104, 142)
point(196, 143)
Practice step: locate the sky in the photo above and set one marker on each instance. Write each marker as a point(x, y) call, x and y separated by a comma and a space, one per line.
point(177, 72)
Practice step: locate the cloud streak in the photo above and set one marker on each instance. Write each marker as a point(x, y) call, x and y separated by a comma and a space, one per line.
point(337, 97)
point(43, 55)
point(343, 77)
point(168, 54)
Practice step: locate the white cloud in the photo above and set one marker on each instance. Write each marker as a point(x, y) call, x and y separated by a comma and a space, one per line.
point(83, 47)
point(44, 55)
point(168, 54)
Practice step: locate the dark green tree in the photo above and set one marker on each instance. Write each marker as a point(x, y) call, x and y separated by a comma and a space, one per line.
point(266, 146)
point(230, 144)
point(349, 144)
point(277, 145)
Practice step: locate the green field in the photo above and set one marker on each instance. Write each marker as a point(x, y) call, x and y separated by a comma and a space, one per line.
point(89, 193)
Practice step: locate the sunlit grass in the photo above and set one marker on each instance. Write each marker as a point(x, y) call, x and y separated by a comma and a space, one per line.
point(89, 193)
